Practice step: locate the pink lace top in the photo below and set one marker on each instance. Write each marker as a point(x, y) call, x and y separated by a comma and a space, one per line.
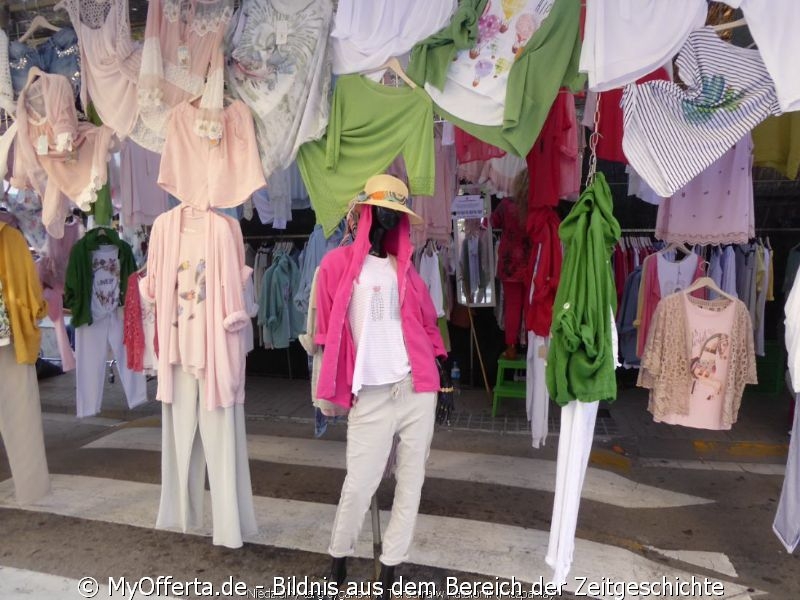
point(183, 59)
point(207, 174)
point(110, 65)
point(55, 154)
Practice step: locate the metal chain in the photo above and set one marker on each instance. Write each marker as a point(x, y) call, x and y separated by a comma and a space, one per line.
point(593, 139)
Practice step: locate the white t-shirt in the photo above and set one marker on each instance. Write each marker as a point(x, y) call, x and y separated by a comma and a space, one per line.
point(773, 25)
point(367, 34)
point(105, 281)
point(627, 39)
point(374, 314)
point(475, 89)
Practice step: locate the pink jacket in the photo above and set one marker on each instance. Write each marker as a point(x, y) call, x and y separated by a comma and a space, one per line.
point(226, 317)
point(337, 272)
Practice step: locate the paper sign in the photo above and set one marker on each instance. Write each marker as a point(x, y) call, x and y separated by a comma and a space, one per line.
point(468, 207)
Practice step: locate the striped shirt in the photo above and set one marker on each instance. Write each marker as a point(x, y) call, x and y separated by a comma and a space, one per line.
point(674, 134)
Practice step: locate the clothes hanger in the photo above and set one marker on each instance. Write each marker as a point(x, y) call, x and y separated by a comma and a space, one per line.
point(731, 25)
point(39, 22)
point(709, 283)
point(33, 73)
point(675, 246)
point(394, 65)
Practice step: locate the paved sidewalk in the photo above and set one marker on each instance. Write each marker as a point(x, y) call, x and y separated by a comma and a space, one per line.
point(625, 426)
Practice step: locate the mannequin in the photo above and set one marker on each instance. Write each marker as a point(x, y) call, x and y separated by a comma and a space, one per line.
point(379, 328)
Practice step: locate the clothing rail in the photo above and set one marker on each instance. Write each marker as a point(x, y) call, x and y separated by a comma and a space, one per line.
point(277, 237)
point(758, 230)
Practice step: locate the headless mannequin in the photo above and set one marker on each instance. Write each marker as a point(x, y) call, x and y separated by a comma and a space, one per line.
point(384, 220)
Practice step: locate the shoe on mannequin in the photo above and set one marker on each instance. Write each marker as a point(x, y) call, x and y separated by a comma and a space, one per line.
point(387, 579)
point(339, 570)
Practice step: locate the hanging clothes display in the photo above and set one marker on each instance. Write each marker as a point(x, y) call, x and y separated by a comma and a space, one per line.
point(500, 86)
point(56, 154)
point(7, 103)
point(610, 119)
point(277, 313)
point(792, 312)
point(495, 176)
point(57, 55)
point(183, 59)
point(661, 277)
point(310, 257)
point(716, 207)
point(771, 22)
point(787, 518)
point(537, 400)
point(698, 358)
point(99, 268)
point(110, 63)
point(279, 66)
point(20, 410)
point(512, 261)
point(672, 134)
point(776, 144)
point(581, 359)
point(437, 220)
point(469, 148)
point(370, 124)
point(196, 278)
point(141, 197)
point(555, 151)
point(626, 317)
point(365, 36)
point(200, 173)
point(624, 41)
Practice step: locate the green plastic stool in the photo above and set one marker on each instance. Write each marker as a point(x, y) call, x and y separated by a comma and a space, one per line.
point(508, 389)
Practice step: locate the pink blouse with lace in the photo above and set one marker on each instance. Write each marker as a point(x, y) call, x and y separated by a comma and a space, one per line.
point(208, 174)
point(183, 59)
point(55, 154)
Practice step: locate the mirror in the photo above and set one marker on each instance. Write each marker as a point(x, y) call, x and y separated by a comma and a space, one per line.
point(474, 251)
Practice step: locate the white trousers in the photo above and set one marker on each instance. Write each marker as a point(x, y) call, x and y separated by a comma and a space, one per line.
point(537, 400)
point(91, 351)
point(574, 448)
point(787, 519)
point(21, 428)
point(379, 413)
point(222, 446)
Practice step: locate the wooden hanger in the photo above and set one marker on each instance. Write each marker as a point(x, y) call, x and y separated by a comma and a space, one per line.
point(731, 25)
point(39, 22)
point(706, 282)
point(33, 73)
point(394, 65)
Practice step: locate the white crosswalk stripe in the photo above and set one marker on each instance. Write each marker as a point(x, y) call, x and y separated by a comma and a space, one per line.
point(488, 549)
point(528, 473)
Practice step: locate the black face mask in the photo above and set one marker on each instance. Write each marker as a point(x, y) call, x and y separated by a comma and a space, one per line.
point(387, 218)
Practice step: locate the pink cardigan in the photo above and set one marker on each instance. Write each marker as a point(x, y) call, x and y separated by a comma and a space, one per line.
point(226, 317)
point(337, 272)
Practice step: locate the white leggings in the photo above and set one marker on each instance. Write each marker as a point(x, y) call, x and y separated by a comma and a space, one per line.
point(222, 445)
point(379, 413)
point(537, 398)
point(21, 428)
point(574, 448)
point(91, 351)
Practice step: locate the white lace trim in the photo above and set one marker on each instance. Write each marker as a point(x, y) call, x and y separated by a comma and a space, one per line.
point(88, 196)
point(208, 128)
point(64, 142)
point(183, 78)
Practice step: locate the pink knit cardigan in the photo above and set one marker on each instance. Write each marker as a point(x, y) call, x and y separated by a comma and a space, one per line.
point(226, 317)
